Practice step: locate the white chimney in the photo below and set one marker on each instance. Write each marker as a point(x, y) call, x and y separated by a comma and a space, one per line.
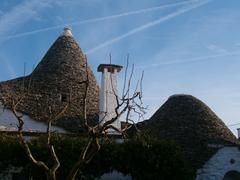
point(108, 91)
point(238, 130)
point(67, 32)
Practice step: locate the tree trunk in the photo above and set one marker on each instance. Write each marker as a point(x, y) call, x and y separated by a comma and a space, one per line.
point(51, 175)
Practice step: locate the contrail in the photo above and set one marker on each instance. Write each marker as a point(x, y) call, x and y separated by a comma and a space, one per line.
point(196, 59)
point(236, 124)
point(100, 19)
point(202, 58)
point(146, 26)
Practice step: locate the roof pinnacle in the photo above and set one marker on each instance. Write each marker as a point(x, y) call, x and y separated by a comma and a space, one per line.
point(67, 31)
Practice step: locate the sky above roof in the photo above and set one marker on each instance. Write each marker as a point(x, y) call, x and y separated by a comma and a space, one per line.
point(190, 47)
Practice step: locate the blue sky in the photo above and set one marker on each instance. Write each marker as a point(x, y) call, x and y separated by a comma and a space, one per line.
point(190, 47)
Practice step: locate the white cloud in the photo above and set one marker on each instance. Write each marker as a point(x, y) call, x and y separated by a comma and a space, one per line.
point(20, 14)
point(216, 49)
point(16, 17)
point(237, 44)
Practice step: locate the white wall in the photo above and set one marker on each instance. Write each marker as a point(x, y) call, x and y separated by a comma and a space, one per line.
point(220, 164)
point(9, 122)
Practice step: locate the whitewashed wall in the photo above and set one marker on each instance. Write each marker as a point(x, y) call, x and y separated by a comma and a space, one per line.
point(9, 122)
point(226, 159)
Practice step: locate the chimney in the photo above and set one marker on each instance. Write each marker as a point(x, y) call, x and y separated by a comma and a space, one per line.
point(67, 31)
point(238, 130)
point(108, 91)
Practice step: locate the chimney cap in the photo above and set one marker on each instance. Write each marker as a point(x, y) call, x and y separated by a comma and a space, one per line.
point(67, 31)
point(110, 67)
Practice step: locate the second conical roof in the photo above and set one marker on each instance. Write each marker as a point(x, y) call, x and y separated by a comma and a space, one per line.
point(188, 120)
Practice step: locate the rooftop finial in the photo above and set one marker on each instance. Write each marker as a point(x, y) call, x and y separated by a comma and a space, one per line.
point(67, 31)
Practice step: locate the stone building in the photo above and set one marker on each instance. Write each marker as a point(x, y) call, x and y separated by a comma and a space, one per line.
point(56, 80)
point(59, 79)
point(208, 144)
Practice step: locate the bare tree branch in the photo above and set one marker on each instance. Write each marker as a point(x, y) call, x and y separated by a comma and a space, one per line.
point(19, 117)
point(129, 104)
point(15, 102)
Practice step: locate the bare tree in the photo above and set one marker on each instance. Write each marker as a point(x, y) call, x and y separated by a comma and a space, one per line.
point(130, 102)
point(50, 171)
point(127, 104)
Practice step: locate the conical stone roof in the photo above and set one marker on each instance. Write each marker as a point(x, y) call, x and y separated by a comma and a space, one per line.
point(185, 118)
point(57, 79)
point(191, 123)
